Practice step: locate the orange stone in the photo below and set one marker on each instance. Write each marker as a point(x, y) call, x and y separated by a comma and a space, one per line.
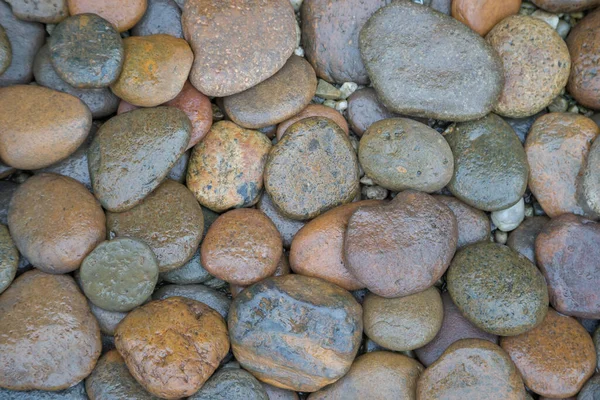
point(483, 15)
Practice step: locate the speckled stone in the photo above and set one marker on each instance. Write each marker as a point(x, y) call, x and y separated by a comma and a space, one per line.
point(497, 289)
point(566, 6)
point(473, 224)
point(215, 300)
point(287, 227)
point(490, 165)
point(422, 84)
point(46, 11)
point(9, 259)
point(123, 15)
point(536, 65)
point(231, 384)
point(108, 320)
point(522, 239)
point(76, 392)
point(162, 16)
point(483, 15)
point(5, 51)
point(313, 110)
point(232, 52)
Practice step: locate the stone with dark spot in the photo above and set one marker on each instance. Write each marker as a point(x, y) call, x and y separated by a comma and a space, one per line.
point(226, 168)
point(411, 37)
point(5, 51)
point(473, 224)
point(231, 384)
point(76, 392)
point(215, 300)
point(162, 16)
point(313, 110)
point(320, 157)
point(9, 259)
point(490, 165)
point(566, 6)
point(295, 332)
point(364, 109)
point(522, 239)
point(287, 227)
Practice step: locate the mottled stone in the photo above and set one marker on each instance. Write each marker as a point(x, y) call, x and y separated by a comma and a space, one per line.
point(473, 224)
point(522, 239)
point(275, 393)
point(162, 16)
point(313, 110)
point(215, 300)
point(231, 384)
point(287, 227)
point(591, 389)
point(122, 14)
point(483, 15)
point(9, 259)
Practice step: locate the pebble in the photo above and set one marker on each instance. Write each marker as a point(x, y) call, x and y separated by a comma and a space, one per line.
point(40, 126)
point(536, 65)
point(497, 289)
point(454, 327)
point(591, 389)
point(364, 109)
point(557, 147)
point(286, 227)
point(555, 358)
point(226, 169)
point(191, 272)
point(549, 18)
point(411, 37)
point(522, 239)
point(490, 165)
point(559, 104)
point(236, 51)
point(133, 153)
point(563, 28)
point(161, 17)
point(122, 14)
point(383, 243)
point(374, 192)
point(242, 247)
point(39, 350)
point(473, 224)
point(320, 156)
point(102, 102)
point(318, 248)
point(283, 268)
point(48, 11)
point(169, 220)
point(443, 6)
point(276, 99)
point(231, 384)
point(76, 392)
point(155, 69)
point(111, 380)
point(488, 370)
point(157, 339)
point(347, 89)
point(566, 6)
point(25, 39)
point(86, 51)
point(215, 300)
point(400, 154)
point(5, 51)
point(403, 323)
point(378, 375)
point(108, 320)
point(567, 253)
point(313, 110)
point(483, 15)
point(9, 259)
point(316, 349)
point(510, 218)
point(55, 222)
point(327, 91)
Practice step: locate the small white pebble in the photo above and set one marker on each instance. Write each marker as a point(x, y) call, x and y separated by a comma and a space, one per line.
point(563, 29)
point(347, 89)
point(299, 52)
point(341, 105)
point(549, 18)
point(365, 180)
point(500, 237)
point(296, 4)
point(508, 219)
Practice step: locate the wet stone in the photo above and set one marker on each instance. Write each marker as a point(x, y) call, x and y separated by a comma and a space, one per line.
point(364, 109)
point(473, 224)
point(523, 238)
point(191, 272)
point(231, 384)
point(521, 126)
point(215, 300)
point(313, 110)
point(287, 227)
point(162, 16)
point(198, 109)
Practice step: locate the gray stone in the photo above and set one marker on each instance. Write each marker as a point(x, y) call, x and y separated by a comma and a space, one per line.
point(231, 384)
point(215, 300)
point(162, 16)
point(76, 392)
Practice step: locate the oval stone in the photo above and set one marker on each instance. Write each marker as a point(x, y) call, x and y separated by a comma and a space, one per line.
point(5, 51)
point(287, 227)
point(411, 37)
point(226, 41)
point(133, 152)
point(497, 289)
point(522, 239)
point(320, 157)
point(122, 14)
point(231, 384)
point(162, 16)
point(473, 224)
point(40, 126)
point(313, 110)
point(47, 11)
point(483, 15)
point(566, 6)
point(490, 165)
point(55, 222)
point(49, 339)
point(9, 259)
point(215, 300)
point(315, 350)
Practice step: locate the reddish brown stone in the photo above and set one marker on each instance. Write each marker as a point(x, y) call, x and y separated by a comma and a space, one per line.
point(566, 6)
point(122, 14)
point(483, 15)
point(283, 268)
point(313, 110)
point(198, 109)
point(473, 224)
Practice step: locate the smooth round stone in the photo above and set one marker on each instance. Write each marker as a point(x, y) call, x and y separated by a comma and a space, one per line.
point(231, 384)
point(378, 375)
point(566, 6)
point(55, 222)
point(46, 11)
point(473, 224)
point(287, 227)
point(226, 169)
point(555, 358)
point(25, 39)
point(403, 323)
point(101, 102)
point(111, 380)
point(86, 51)
point(536, 65)
point(318, 248)
point(489, 371)
point(275, 393)
point(5, 51)
point(226, 42)
point(215, 300)
point(590, 183)
point(169, 220)
point(568, 255)
point(172, 346)
point(9, 259)
point(497, 289)
point(400, 154)
point(483, 15)
point(191, 272)
point(40, 126)
point(155, 69)
point(198, 109)
point(423, 84)
point(521, 126)
point(313, 110)
point(508, 219)
point(315, 350)
point(122, 14)
point(133, 153)
point(333, 51)
point(49, 340)
point(162, 16)
point(522, 239)
point(7, 189)
point(384, 243)
point(364, 109)
point(76, 392)
point(120, 274)
point(557, 147)
point(320, 157)
point(276, 99)
point(490, 165)
point(591, 390)
point(108, 320)
point(242, 247)
point(454, 328)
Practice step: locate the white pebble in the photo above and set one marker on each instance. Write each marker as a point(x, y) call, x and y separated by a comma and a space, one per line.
point(500, 237)
point(347, 89)
point(299, 52)
point(296, 4)
point(563, 29)
point(341, 105)
point(549, 18)
point(508, 219)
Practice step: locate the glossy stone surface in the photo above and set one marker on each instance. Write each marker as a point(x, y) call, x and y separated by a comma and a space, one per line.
point(162, 16)
point(523, 238)
point(483, 15)
point(473, 224)
point(287, 227)
point(313, 110)
point(215, 300)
